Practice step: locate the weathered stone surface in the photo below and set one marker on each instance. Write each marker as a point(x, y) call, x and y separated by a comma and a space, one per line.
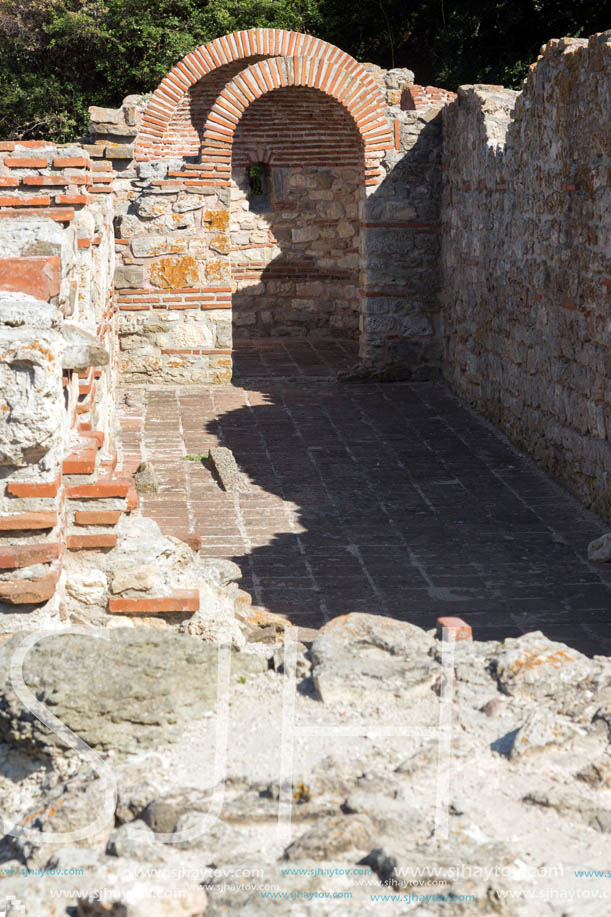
point(503, 212)
point(162, 814)
point(359, 658)
point(153, 245)
point(139, 578)
point(175, 273)
point(533, 667)
point(129, 275)
point(151, 680)
point(599, 550)
point(146, 479)
point(88, 586)
point(30, 380)
point(225, 468)
point(331, 836)
point(120, 150)
point(82, 349)
point(540, 731)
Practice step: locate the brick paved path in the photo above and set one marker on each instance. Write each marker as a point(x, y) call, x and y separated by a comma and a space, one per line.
point(393, 499)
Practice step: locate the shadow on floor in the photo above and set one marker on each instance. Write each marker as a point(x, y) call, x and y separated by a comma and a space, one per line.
point(398, 500)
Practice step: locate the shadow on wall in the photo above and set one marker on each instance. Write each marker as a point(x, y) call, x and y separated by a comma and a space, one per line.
point(312, 257)
point(396, 500)
point(295, 252)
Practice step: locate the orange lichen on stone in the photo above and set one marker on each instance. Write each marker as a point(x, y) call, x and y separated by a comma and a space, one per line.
point(217, 270)
point(216, 219)
point(175, 273)
point(533, 660)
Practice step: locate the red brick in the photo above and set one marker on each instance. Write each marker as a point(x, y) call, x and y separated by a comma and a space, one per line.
point(8, 181)
point(68, 162)
point(101, 489)
point(462, 630)
point(72, 199)
point(22, 162)
point(132, 497)
point(186, 600)
point(28, 591)
point(97, 517)
point(17, 522)
point(60, 215)
point(24, 555)
point(83, 542)
point(96, 435)
point(191, 538)
point(34, 488)
point(83, 243)
point(79, 463)
point(45, 180)
point(41, 200)
point(39, 276)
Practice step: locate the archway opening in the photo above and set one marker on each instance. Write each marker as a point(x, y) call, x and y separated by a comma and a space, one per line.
point(297, 186)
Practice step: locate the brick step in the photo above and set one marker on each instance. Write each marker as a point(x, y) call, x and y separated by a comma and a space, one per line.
point(96, 490)
point(183, 600)
point(91, 542)
point(25, 555)
point(34, 488)
point(24, 522)
point(97, 517)
point(29, 591)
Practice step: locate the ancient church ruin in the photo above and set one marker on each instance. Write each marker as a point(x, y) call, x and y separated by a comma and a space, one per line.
point(272, 187)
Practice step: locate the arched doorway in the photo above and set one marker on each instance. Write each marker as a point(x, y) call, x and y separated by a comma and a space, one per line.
point(297, 186)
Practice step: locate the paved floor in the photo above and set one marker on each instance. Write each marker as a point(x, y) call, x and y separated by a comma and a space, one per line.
point(393, 499)
point(301, 359)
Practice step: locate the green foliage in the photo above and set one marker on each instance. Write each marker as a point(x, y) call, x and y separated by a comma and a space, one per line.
point(57, 57)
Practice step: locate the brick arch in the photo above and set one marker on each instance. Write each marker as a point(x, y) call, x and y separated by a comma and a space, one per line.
point(328, 76)
point(222, 51)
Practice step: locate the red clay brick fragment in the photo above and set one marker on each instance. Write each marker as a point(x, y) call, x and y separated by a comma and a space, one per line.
point(22, 162)
point(118, 488)
point(97, 517)
point(28, 591)
point(462, 630)
point(79, 463)
point(38, 276)
point(81, 542)
point(21, 522)
point(70, 162)
point(34, 488)
point(180, 601)
point(24, 555)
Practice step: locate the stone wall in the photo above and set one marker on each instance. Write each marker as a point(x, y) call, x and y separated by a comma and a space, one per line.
point(295, 248)
point(526, 204)
point(58, 357)
point(308, 260)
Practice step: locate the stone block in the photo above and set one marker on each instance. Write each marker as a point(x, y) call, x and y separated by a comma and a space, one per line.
point(129, 275)
point(175, 273)
point(151, 246)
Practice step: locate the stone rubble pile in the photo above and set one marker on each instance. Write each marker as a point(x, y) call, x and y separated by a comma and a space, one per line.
point(529, 788)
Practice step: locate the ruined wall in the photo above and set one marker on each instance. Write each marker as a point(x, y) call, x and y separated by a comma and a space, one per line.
point(526, 205)
point(295, 248)
point(58, 349)
point(310, 261)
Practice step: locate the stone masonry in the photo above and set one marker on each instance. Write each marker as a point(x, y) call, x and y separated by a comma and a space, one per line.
point(274, 189)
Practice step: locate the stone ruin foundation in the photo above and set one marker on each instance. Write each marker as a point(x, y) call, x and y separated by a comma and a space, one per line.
point(271, 187)
point(274, 188)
